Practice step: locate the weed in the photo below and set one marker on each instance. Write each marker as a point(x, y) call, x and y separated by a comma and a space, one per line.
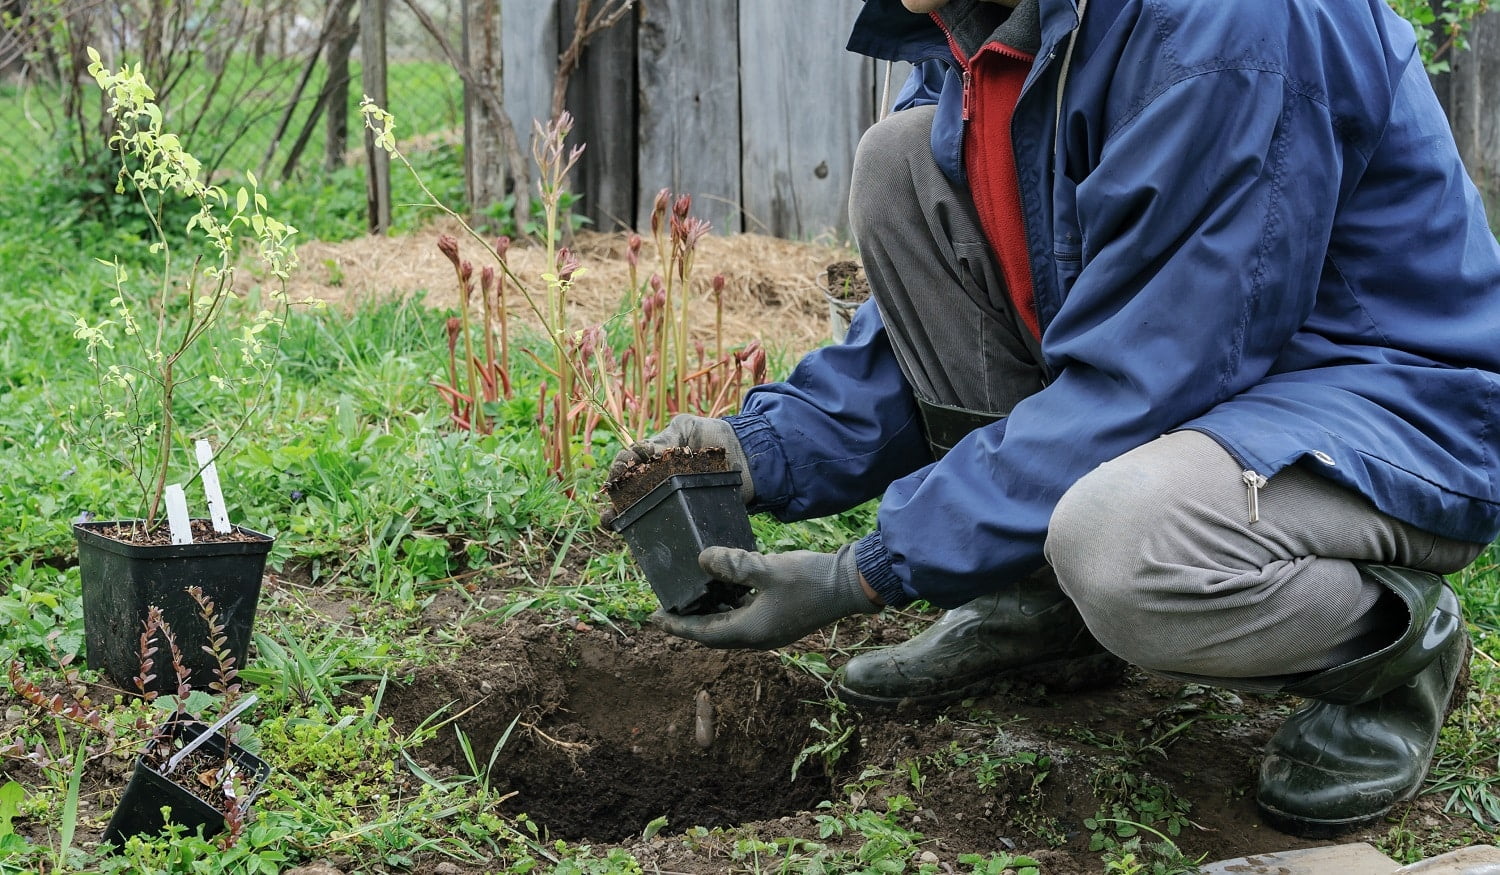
point(998, 765)
point(661, 371)
point(1162, 857)
point(1466, 767)
point(312, 673)
point(811, 662)
point(1001, 864)
point(833, 741)
point(40, 614)
point(262, 851)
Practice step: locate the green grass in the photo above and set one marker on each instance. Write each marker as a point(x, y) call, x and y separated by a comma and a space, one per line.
point(38, 157)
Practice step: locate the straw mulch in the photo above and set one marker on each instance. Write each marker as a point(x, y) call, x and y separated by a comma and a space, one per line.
point(772, 288)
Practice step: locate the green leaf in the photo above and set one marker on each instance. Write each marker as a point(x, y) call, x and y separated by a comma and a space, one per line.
point(11, 795)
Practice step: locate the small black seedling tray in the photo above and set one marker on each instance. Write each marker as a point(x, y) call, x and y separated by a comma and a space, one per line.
point(670, 525)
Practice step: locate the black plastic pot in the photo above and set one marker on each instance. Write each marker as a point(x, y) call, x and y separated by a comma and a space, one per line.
point(670, 525)
point(120, 581)
point(139, 811)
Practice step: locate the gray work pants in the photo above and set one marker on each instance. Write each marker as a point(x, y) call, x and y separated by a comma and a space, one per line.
point(1155, 548)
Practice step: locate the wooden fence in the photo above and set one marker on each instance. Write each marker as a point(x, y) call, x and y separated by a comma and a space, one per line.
point(751, 106)
point(1471, 96)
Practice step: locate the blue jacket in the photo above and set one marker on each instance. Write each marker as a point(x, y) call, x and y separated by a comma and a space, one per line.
point(1253, 224)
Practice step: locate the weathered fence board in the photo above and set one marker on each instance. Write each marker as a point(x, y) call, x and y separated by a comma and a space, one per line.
point(689, 128)
point(529, 40)
point(804, 101)
point(602, 97)
point(751, 106)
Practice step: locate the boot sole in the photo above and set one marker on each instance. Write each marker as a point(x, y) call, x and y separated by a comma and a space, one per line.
point(1063, 676)
point(1307, 828)
point(1318, 829)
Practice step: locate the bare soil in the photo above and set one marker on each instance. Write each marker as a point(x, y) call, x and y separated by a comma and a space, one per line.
point(641, 477)
point(846, 281)
point(607, 739)
point(202, 530)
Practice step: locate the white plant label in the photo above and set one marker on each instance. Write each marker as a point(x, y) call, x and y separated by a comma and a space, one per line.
point(177, 515)
point(211, 488)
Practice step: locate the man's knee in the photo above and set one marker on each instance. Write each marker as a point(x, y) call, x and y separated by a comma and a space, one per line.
point(1110, 546)
point(1080, 546)
point(882, 162)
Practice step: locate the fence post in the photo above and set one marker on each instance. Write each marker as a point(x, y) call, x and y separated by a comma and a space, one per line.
point(337, 109)
point(377, 162)
point(484, 158)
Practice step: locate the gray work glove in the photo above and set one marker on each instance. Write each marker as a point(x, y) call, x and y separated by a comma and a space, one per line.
point(687, 430)
point(796, 594)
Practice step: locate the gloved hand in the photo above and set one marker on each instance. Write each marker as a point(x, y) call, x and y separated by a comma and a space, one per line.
point(796, 594)
point(686, 430)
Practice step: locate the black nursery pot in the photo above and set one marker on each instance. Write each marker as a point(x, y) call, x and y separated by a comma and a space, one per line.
point(139, 811)
point(120, 581)
point(670, 525)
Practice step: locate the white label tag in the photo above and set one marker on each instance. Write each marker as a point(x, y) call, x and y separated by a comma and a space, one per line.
point(211, 489)
point(177, 515)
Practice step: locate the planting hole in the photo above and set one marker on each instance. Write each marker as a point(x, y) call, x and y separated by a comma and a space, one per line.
point(611, 732)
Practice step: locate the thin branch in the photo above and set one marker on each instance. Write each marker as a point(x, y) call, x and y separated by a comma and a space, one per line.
point(584, 30)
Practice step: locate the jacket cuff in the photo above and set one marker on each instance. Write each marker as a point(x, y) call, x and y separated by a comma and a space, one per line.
point(874, 563)
point(768, 467)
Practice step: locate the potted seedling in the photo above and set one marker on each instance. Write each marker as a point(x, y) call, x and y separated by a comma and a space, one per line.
point(187, 772)
point(165, 336)
point(844, 291)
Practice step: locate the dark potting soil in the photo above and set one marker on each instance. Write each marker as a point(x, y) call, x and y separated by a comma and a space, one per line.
point(161, 535)
point(640, 478)
point(198, 773)
point(846, 281)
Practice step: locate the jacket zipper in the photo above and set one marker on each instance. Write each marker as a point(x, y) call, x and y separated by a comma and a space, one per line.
point(1254, 480)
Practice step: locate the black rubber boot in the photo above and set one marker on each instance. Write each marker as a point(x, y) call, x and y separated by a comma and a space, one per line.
point(1033, 633)
point(1365, 739)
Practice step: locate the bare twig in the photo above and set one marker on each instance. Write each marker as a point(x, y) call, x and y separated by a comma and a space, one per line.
point(584, 29)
